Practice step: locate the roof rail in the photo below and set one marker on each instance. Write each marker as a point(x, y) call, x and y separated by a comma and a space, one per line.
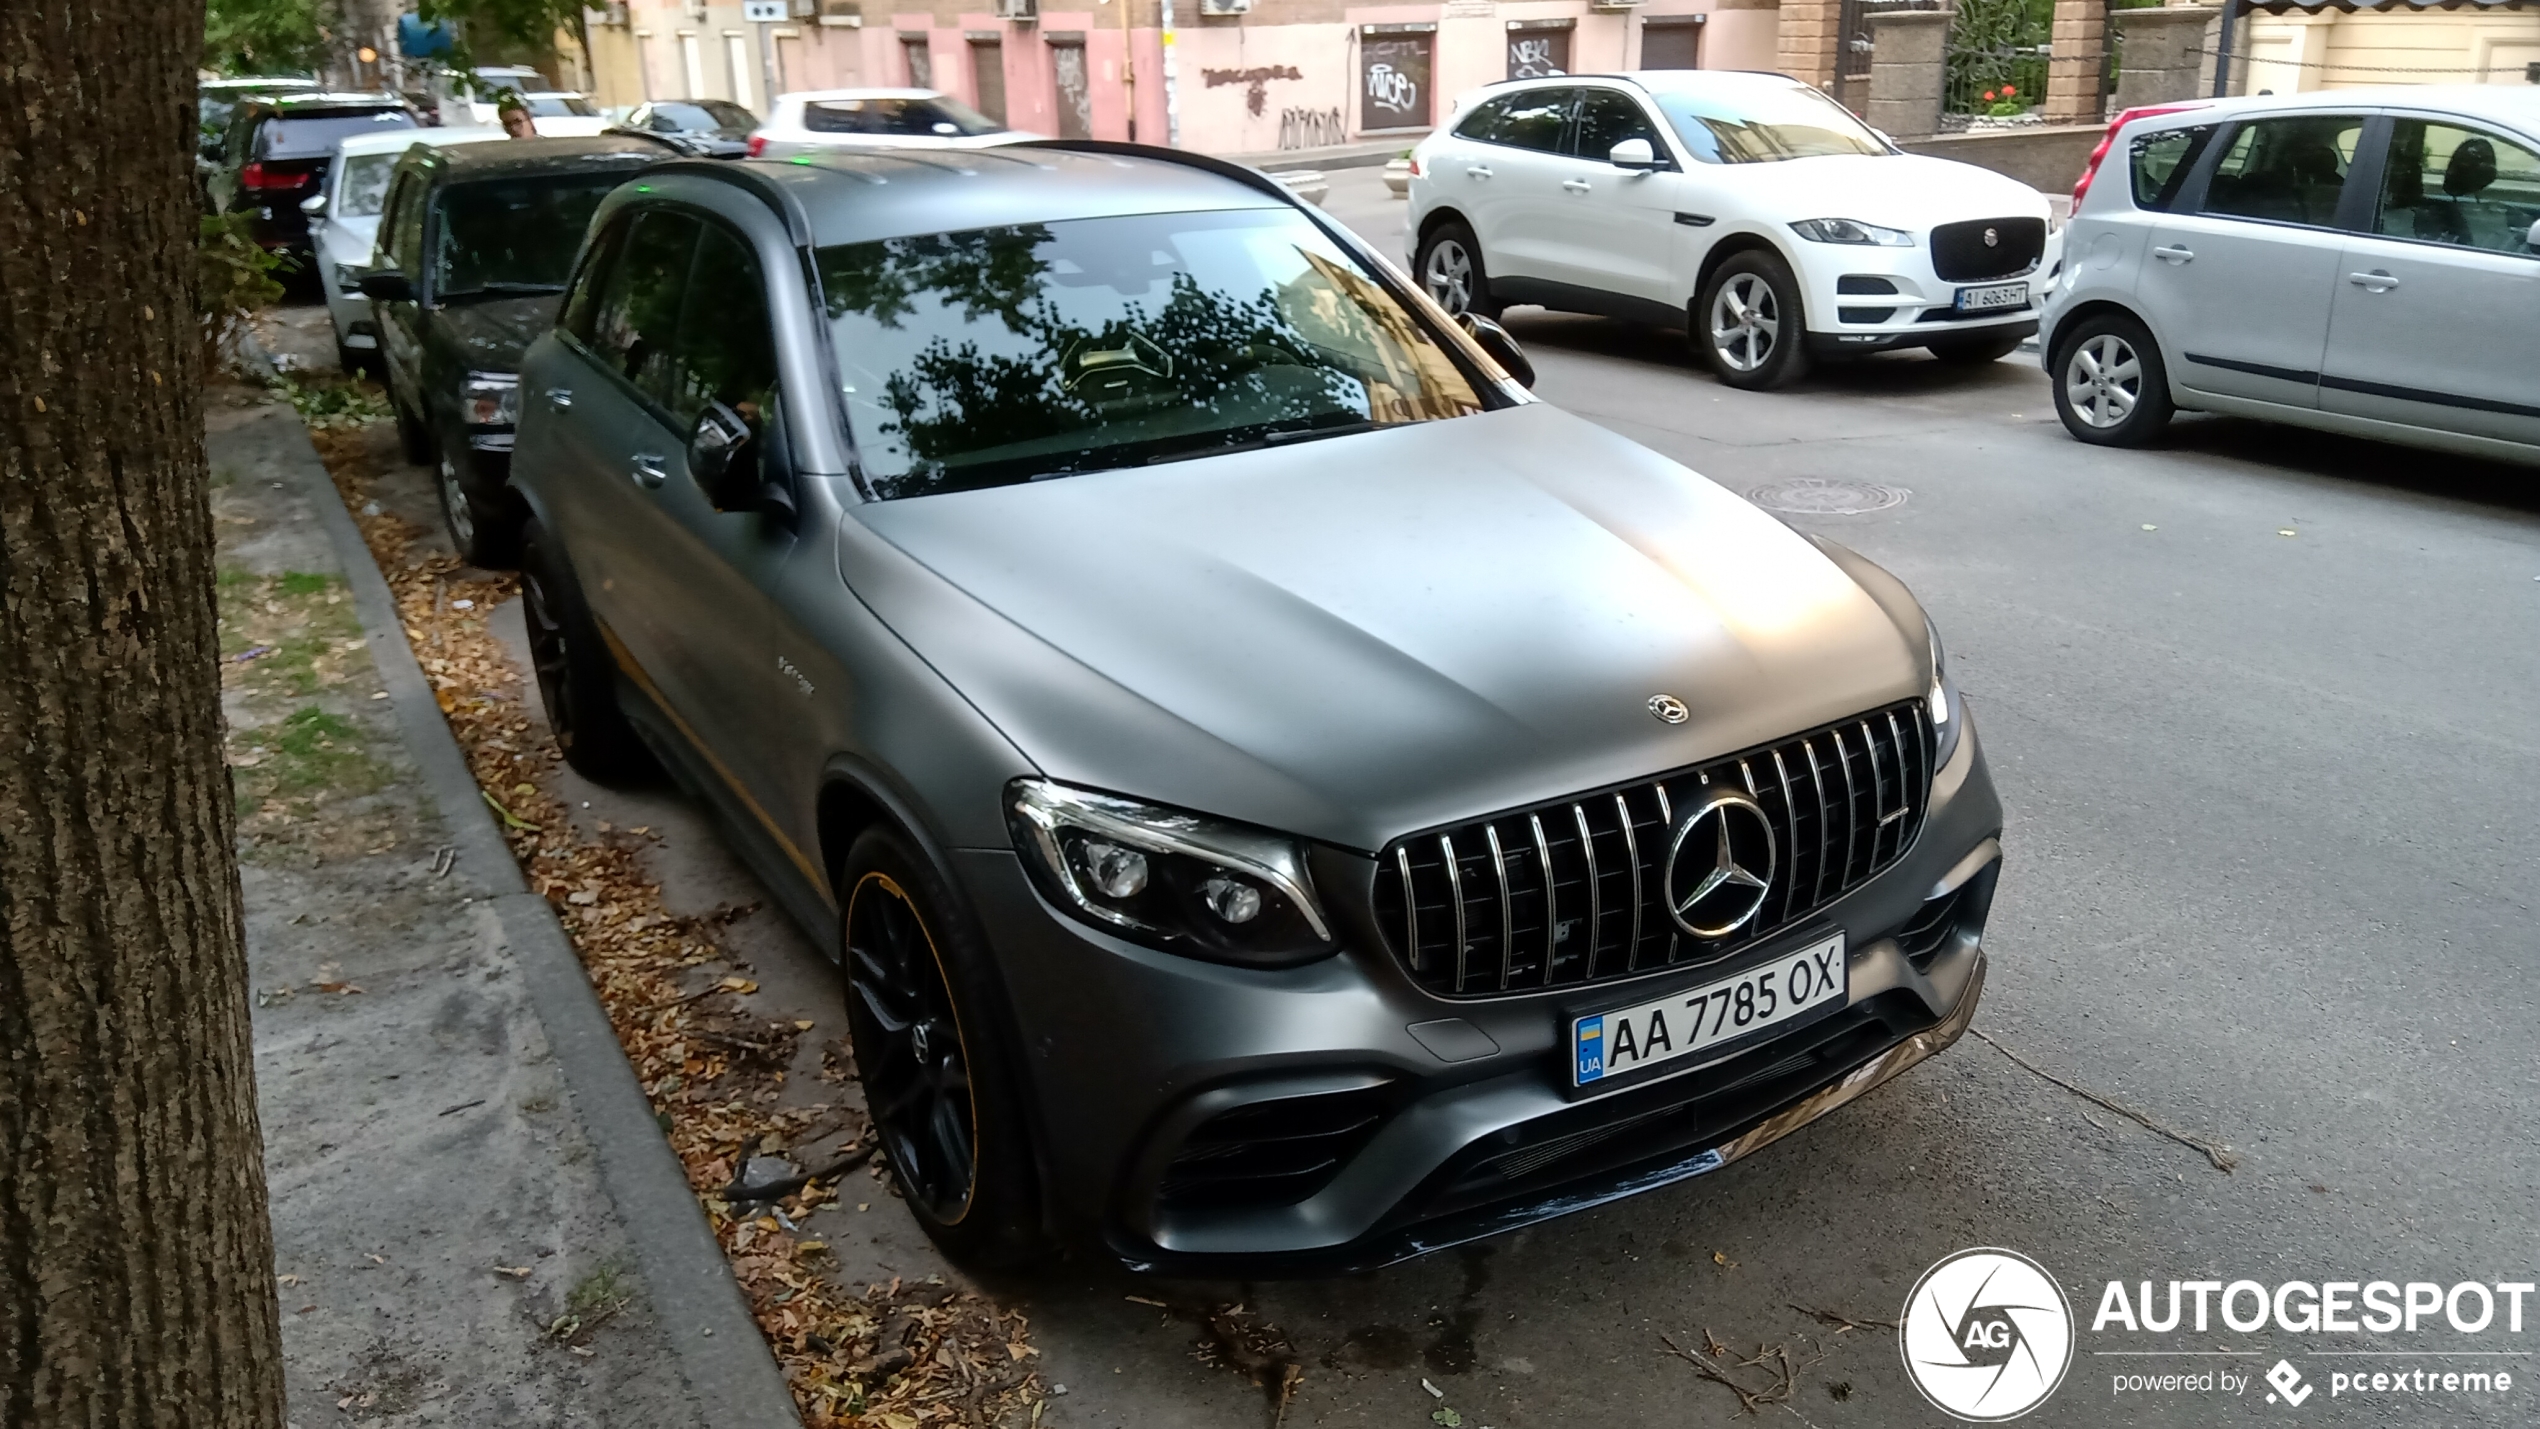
point(1225, 169)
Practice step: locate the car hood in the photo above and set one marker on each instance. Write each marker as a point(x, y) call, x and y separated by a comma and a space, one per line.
point(492, 333)
point(1895, 191)
point(1360, 637)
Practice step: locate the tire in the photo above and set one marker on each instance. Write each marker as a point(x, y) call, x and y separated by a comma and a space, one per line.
point(413, 437)
point(1451, 272)
point(576, 680)
point(2111, 387)
point(938, 1083)
point(1750, 324)
point(1976, 349)
point(486, 534)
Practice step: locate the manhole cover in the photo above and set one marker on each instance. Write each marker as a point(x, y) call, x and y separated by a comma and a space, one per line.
point(1824, 496)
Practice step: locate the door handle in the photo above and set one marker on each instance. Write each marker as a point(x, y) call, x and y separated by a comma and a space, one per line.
point(2377, 280)
point(648, 471)
point(1477, 172)
point(1576, 186)
point(560, 398)
point(2175, 254)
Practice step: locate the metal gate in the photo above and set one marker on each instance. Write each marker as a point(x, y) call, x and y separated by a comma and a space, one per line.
point(1997, 59)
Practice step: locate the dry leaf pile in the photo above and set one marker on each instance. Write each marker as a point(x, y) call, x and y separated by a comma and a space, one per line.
point(896, 1356)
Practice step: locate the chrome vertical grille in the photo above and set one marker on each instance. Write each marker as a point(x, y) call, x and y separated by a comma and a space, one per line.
point(1569, 893)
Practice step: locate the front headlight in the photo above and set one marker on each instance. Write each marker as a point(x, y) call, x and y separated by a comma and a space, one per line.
point(1184, 883)
point(491, 399)
point(1947, 718)
point(1849, 230)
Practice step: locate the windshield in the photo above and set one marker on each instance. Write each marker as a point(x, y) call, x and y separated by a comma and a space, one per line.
point(1004, 355)
point(313, 136)
point(920, 118)
point(703, 116)
point(363, 184)
point(1757, 126)
point(510, 237)
point(559, 106)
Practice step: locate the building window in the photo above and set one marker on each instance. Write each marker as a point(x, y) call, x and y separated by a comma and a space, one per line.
point(1671, 42)
point(921, 65)
point(1075, 93)
point(987, 75)
point(1538, 49)
point(736, 57)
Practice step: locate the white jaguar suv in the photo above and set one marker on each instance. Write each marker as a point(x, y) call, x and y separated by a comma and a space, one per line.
point(1748, 208)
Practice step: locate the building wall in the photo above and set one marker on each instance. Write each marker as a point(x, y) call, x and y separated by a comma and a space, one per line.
point(1288, 75)
point(2290, 54)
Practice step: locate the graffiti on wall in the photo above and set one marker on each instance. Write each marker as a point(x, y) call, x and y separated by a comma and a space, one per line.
point(1311, 128)
point(1254, 81)
point(1394, 70)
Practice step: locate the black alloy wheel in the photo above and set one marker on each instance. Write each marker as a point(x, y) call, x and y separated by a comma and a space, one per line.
point(486, 534)
point(575, 680)
point(909, 1050)
point(935, 1074)
point(1451, 272)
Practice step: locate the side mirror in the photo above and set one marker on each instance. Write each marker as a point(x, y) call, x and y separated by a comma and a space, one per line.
point(723, 458)
point(313, 205)
point(1503, 349)
point(1634, 154)
point(387, 285)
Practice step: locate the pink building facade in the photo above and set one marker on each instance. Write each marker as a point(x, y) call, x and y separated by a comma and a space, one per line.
point(1281, 75)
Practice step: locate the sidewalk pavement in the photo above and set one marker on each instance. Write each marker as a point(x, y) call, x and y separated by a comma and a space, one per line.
point(464, 1234)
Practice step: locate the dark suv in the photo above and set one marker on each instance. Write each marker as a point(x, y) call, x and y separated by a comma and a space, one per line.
point(276, 154)
point(475, 244)
point(1283, 797)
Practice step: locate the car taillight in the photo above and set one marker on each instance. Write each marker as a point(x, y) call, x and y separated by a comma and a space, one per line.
point(1415, 166)
point(758, 145)
point(2090, 170)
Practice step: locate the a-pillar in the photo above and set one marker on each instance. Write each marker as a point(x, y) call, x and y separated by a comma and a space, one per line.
point(2079, 60)
point(1907, 70)
point(1809, 39)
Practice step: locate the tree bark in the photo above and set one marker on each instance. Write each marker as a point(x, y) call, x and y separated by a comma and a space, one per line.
point(136, 1263)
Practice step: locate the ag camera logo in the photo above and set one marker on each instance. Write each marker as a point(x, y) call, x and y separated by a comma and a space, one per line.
point(1987, 1335)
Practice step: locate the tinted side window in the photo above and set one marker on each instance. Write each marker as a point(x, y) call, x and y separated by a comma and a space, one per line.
point(2288, 170)
point(1607, 117)
point(2161, 162)
point(401, 233)
point(1532, 120)
point(2448, 184)
point(638, 316)
point(725, 352)
point(582, 303)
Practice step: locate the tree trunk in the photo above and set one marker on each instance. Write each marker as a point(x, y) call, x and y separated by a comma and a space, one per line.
point(136, 1264)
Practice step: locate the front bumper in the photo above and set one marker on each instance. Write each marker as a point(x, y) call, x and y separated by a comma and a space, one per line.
point(1865, 299)
point(1460, 1119)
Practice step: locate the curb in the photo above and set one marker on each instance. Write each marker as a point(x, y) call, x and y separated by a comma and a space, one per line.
point(721, 1354)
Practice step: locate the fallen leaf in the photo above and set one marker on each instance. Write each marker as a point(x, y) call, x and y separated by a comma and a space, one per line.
point(286, 1280)
point(1723, 1261)
point(738, 984)
point(516, 1272)
point(583, 899)
point(2287, 531)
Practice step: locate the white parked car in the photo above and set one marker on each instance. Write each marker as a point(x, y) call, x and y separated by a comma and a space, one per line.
point(2365, 262)
point(1748, 208)
point(344, 228)
point(563, 114)
point(875, 118)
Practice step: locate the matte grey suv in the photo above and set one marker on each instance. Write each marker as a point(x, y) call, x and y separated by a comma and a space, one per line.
point(1284, 799)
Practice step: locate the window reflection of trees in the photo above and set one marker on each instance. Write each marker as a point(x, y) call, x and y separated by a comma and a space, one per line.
point(1018, 377)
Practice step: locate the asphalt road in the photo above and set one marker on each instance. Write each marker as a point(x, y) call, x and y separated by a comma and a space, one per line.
point(2262, 710)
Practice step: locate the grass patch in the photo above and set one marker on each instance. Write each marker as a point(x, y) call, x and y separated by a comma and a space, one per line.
point(332, 400)
point(598, 1298)
point(291, 634)
point(313, 750)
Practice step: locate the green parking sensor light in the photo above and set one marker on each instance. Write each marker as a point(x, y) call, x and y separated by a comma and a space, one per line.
point(643, 188)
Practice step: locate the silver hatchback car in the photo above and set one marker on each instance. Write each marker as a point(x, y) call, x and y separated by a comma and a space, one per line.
point(2365, 262)
point(1284, 799)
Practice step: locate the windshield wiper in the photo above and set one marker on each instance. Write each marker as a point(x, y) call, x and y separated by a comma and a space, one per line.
point(1267, 439)
point(504, 290)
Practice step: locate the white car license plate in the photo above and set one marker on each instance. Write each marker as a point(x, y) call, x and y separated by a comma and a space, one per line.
point(1992, 297)
point(1787, 989)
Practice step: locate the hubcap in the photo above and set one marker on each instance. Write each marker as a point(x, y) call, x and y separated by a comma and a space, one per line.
point(454, 507)
point(1746, 322)
point(2103, 380)
point(1449, 276)
point(548, 656)
point(908, 1049)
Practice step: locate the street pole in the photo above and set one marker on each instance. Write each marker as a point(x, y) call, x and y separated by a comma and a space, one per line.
point(759, 14)
point(1172, 97)
point(2222, 54)
point(1128, 69)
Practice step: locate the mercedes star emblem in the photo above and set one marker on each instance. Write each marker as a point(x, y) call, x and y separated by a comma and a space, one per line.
point(1992, 238)
point(1720, 867)
point(1669, 709)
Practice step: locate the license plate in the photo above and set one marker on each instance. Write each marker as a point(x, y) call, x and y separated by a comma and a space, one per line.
point(1786, 990)
point(1993, 297)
